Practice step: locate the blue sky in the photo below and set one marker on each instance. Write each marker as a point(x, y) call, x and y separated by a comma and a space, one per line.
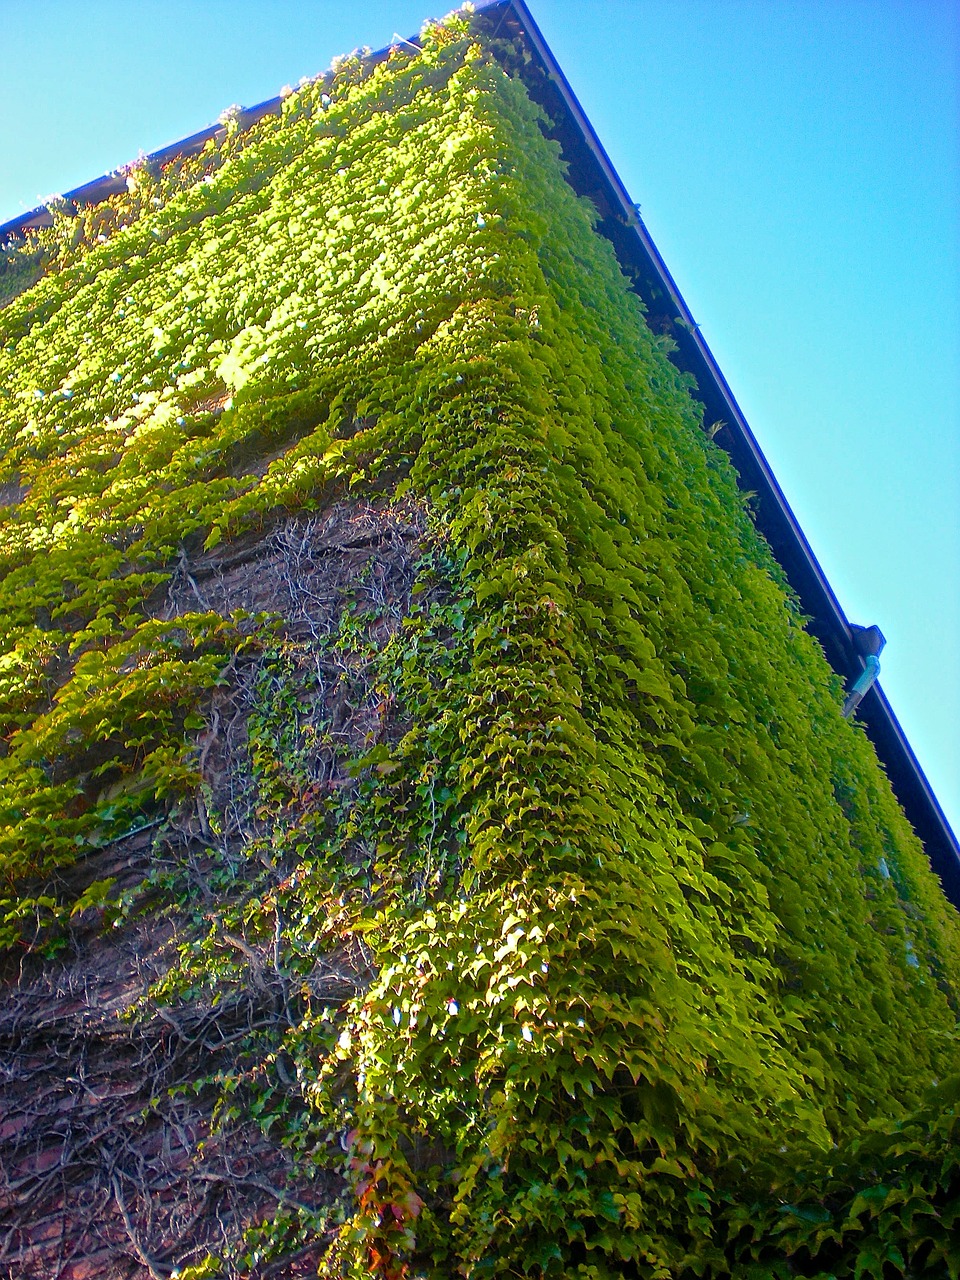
point(798, 165)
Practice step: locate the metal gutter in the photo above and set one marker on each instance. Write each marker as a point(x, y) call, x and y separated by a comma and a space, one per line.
point(592, 174)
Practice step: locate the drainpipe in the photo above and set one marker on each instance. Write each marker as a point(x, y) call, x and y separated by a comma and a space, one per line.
point(869, 641)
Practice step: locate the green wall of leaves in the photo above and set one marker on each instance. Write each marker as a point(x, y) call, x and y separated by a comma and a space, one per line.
point(652, 936)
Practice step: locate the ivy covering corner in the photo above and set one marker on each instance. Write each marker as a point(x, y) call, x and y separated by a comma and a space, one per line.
point(407, 728)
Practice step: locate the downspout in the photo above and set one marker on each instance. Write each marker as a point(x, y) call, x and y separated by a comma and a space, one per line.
point(869, 642)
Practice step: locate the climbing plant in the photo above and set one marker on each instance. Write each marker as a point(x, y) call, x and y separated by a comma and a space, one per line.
point(656, 973)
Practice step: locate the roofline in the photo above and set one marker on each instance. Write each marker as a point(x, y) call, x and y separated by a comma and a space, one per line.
point(591, 173)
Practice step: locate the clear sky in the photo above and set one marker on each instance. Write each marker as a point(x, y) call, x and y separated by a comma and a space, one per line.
point(798, 165)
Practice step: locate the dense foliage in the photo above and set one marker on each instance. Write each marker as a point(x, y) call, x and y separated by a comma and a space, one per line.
point(650, 935)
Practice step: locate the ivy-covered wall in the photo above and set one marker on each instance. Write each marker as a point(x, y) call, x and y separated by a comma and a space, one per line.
point(657, 971)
